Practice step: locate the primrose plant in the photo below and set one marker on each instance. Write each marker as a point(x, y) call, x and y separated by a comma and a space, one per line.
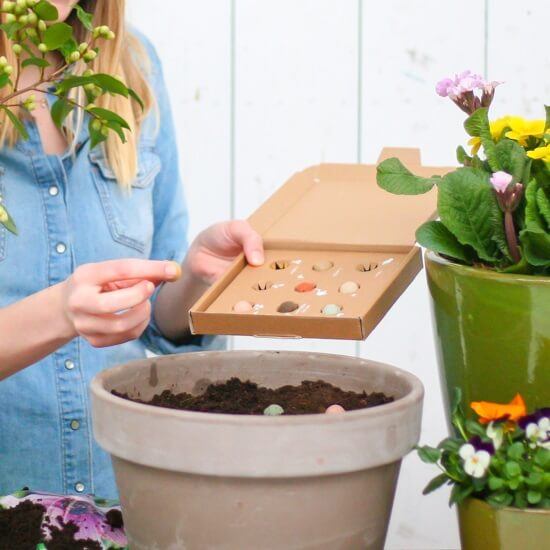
point(494, 210)
point(33, 33)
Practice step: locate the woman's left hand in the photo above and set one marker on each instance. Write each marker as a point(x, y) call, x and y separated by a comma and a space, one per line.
point(216, 247)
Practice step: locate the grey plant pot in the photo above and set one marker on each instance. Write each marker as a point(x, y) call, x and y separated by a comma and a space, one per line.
point(197, 481)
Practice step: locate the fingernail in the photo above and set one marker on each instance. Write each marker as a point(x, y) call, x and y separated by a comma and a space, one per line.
point(173, 270)
point(150, 287)
point(256, 257)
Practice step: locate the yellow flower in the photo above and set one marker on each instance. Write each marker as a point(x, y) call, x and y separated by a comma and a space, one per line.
point(540, 153)
point(521, 130)
point(497, 128)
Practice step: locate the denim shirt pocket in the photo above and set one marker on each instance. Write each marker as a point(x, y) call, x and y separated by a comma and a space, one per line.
point(129, 212)
point(3, 230)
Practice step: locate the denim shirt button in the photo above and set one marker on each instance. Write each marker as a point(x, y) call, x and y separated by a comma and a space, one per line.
point(60, 248)
point(53, 190)
point(69, 365)
point(79, 487)
point(75, 424)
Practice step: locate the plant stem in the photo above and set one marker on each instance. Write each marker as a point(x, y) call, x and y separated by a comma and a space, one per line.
point(511, 237)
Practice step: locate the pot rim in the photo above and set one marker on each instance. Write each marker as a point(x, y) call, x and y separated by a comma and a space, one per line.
point(434, 257)
point(512, 509)
point(416, 392)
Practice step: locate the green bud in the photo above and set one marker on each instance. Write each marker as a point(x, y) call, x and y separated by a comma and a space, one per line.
point(42, 25)
point(10, 18)
point(82, 47)
point(42, 47)
point(104, 29)
point(96, 124)
point(105, 130)
point(89, 56)
point(8, 69)
point(3, 215)
point(91, 106)
point(23, 19)
point(74, 57)
point(110, 35)
point(7, 7)
point(88, 72)
point(3, 61)
point(97, 91)
point(32, 3)
point(31, 32)
point(32, 18)
point(17, 49)
point(89, 87)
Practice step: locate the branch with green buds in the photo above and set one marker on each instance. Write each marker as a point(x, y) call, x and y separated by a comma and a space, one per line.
point(33, 31)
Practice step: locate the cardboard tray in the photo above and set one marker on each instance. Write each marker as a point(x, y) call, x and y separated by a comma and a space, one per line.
point(327, 213)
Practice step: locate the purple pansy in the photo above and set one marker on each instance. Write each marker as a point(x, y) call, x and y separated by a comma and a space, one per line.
point(534, 418)
point(480, 445)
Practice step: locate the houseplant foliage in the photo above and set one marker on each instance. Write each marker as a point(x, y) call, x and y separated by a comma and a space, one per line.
point(33, 32)
point(494, 209)
point(502, 457)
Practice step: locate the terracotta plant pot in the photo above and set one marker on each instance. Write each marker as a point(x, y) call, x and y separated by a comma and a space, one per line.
point(488, 528)
point(200, 480)
point(492, 333)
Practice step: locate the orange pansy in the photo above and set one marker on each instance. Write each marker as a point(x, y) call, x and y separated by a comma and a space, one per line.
point(495, 411)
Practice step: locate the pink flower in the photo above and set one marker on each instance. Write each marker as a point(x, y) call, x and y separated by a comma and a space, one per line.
point(443, 86)
point(462, 90)
point(500, 181)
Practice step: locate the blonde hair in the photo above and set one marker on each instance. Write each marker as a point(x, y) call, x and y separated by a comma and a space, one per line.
point(125, 57)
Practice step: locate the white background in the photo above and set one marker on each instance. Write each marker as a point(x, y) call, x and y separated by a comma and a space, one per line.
point(263, 88)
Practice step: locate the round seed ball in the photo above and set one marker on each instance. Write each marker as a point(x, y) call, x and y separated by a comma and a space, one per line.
point(288, 307)
point(349, 287)
point(322, 265)
point(331, 309)
point(335, 409)
point(242, 307)
point(306, 286)
point(274, 410)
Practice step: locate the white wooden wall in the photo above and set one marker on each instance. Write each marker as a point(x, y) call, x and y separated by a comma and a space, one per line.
point(263, 88)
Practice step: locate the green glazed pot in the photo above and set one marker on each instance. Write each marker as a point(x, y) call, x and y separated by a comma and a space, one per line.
point(483, 527)
point(492, 333)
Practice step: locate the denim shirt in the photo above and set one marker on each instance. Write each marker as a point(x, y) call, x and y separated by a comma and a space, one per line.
point(70, 211)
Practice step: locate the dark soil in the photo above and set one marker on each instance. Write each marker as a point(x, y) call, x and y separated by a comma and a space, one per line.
point(20, 529)
point(237, 397)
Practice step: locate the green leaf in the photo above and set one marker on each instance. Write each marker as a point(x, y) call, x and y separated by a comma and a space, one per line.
point(475, 428)
point(84, 17)
point(495, 483)
point(459, 493)
point(543, 204)
point(534, 497)
point(535, 479)
point(430, 455)
point(117, 128)
point(542, 457)
point(4, 79)
point(73, 82)
point(535, 244)
point(461, 156)
point(511, 158)
point(468, 208)
point(60, 110)
point(512, 469)
point(547, 123)
point(6, 220)
point(477, 125)
point(392, 176)
point(435, 483)
point(109, 116)
point(11, 28)
point(520, 499)
point(435, 236)
point(56, 35)
point(110, 84)
point(516, 450)
point(36, 61)
point(450, 444)
point(135, 97)
point(19, 126)
point(499, 500)
point(46, 11)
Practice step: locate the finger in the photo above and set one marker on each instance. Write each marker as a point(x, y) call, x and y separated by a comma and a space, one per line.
point(118, 300)
point(131, 268)
point(106, 340)
point(117, 285)
point(113, 324)
point(250, 241)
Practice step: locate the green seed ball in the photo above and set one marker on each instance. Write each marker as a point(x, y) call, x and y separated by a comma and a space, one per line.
point(104, 29)
point(96, 125)
point(105, 130)
point(31, 32)
point(32, 18)
point(3, 61)
point(110, 35)
point(274, 410)
point(42, 47)
point(8, 69)
point(89, 87)
point(91, 106)
point(32, 3)
point(7, 7)
point(42, 25)
point(10, 18)
point(89, 56)
point(88, 72)
point(74, 57)
point(17, 49)
point(82, 47)
point(23, 19)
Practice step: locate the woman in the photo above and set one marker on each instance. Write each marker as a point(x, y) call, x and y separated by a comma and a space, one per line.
point(81, 286)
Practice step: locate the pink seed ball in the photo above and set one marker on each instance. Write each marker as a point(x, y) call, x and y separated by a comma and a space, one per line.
point(242, 307)
point(335, 409)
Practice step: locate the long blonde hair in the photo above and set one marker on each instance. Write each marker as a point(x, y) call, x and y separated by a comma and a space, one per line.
point(125, 57)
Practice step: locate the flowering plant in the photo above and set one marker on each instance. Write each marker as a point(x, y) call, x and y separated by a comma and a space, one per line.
point(32, 30)
point(494, 210)
point(503, 457)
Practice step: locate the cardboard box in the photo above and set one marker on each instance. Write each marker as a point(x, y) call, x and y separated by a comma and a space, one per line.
point(332, 213)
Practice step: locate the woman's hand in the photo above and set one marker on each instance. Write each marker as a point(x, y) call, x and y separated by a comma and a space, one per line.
point(216, 247)
point(107, 303)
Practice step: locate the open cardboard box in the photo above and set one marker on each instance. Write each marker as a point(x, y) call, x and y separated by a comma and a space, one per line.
point(333, 213)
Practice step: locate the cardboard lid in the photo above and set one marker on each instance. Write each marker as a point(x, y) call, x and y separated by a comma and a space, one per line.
point(342, 204)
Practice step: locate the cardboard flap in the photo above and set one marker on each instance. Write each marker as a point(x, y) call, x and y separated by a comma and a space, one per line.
point(342, 204)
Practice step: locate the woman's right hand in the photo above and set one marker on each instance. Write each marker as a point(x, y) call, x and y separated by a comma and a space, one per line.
point(107, 303)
